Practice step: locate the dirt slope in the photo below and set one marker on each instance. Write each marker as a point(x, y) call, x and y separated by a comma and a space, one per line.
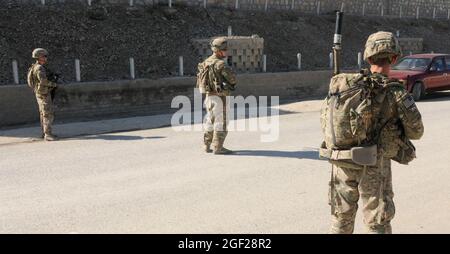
point(104, 37)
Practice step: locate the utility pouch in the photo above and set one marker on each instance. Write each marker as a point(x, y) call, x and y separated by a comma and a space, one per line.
point(366, 156)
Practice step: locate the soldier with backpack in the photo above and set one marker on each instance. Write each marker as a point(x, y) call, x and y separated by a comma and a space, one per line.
point(38, 80)
point(216, 80)
point(367, 120)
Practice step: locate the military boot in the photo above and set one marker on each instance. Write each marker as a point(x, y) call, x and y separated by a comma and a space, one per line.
point(207, 140)
point(50, 137)
point(219, 139)
point(380, 229)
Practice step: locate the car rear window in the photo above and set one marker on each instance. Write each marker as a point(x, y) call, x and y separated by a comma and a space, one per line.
point(438, 64)
point(412, 64)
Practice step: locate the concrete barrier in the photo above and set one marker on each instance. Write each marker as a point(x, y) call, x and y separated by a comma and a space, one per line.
point(96, 100)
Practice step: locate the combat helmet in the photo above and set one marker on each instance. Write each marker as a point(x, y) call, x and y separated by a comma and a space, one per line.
point(381, 45)
point(39, 52)
point(218, 44)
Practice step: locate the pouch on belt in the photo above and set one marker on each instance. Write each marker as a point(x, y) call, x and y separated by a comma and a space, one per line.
point(366, 156)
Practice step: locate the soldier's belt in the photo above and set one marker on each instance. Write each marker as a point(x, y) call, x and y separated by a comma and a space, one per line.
point(365, 156)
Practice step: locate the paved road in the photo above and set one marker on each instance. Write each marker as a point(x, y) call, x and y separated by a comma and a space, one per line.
point(159, 181)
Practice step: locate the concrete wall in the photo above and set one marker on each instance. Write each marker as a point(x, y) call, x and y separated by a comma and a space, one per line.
point(408, 8)
point(94, 100)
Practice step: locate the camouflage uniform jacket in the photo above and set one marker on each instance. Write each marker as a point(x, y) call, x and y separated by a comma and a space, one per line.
point(222, 74)
point(37, 79)
point(398, 109)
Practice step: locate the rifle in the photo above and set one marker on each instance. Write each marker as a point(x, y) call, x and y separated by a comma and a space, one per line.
point(227, 86)
point(337, 43)
point(337, 65)
point(55, 78)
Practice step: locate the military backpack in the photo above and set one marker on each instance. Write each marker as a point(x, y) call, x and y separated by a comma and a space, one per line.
point(30, 80)
point(205, 77)
point(353, 124)
point(349, 119)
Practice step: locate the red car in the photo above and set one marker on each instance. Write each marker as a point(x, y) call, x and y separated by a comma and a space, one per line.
point(423, 73)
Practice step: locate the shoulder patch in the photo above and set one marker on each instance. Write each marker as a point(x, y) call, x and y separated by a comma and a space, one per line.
point(408, 101)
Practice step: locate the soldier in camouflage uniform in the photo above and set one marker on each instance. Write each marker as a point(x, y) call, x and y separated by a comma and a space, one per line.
point(393, 109)
point(216, 101)
point(42, 87)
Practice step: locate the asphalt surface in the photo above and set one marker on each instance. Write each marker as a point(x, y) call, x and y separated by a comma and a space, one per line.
point(160, 181)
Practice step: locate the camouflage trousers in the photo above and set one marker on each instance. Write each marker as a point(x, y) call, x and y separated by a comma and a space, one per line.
point(216, 120)
point(45, 105)
point(374, 186)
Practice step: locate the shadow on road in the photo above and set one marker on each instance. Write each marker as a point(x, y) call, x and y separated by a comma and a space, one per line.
point(120, 137)
point(437, 96)
point(312, 155)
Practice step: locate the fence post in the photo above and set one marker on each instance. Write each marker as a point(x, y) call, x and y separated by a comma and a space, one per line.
point(364, 9)
point(331, 60)
point(382, 10)
point(342, 7)
point(15, 70)
point(236, 4)
point(398, 33)
point(132, 72)
point(43, 2)
point(434, 13)
point(299, 61)
point(264, 63)
point(292, 4)
point(266, 5)
point(181, 66)
point(410, 53)
point(204, 3)
point(318, 8)
point(131, 2)
point(417, 13)
point(400, 11)
point(359, 60)
point(170, 3)
point(448, 14)
point(89, 2)
point(230, 31)
point(77, 70)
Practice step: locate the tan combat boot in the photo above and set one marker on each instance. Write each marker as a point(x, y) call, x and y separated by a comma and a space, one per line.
point(207, 140)
point(219, 139)
point(50, 137)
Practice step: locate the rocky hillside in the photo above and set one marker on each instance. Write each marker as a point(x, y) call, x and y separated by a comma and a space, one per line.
point(104, 37)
